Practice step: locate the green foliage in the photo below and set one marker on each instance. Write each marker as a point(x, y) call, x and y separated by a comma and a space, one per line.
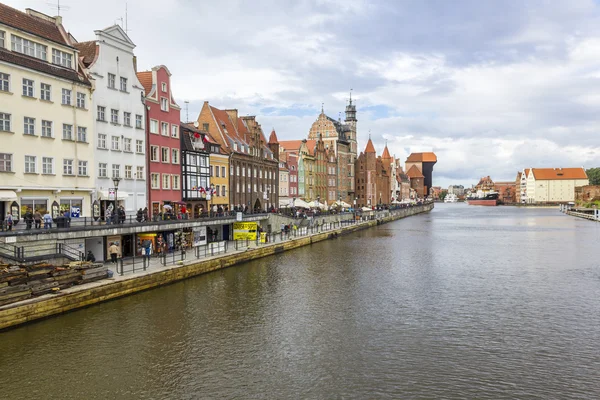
point(593, 175)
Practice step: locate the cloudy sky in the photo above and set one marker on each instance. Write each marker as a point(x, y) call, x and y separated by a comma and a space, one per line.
point(491, 86)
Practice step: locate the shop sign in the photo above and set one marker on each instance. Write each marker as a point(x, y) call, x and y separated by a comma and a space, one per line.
point(199, 236)
point(111, 194)
point(244, 230)
point(75, 212)
point(14, 210)
point(239, 217)
point(96, 210)
point(55, 210)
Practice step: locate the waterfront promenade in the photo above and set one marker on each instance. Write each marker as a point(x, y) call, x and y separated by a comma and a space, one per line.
point(161, 271)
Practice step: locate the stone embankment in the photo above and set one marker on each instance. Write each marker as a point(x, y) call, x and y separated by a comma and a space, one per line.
point(96, 292)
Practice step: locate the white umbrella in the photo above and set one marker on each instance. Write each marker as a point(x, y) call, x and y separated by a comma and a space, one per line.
point(168, 207)
point(366, 209)
point(301, 203)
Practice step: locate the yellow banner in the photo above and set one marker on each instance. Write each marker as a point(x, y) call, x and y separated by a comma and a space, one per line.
point(244, 230)
point(263, 237)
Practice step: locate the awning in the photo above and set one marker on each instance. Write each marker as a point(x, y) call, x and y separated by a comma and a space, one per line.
point(120, 193)
point(7, 195)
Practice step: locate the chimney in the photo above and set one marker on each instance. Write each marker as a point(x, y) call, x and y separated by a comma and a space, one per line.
point(233, 114)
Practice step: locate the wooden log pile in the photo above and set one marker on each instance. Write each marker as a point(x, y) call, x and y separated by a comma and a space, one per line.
point(19, 282)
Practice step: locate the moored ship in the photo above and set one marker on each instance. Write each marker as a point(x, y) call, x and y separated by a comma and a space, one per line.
point(490, 199)
point(450, 198)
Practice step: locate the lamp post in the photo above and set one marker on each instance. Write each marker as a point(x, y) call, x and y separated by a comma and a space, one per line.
point(212, 191)
point(116, 181)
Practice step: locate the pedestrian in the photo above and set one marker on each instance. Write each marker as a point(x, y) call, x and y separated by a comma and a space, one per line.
point(47, 220)
point(113, 250)
point(147, 246)
point(8, 221)
point(145, 212)
point(140, 215)
point(37, 217)
point(121, 214)
point(90, 256)
point(28, 217)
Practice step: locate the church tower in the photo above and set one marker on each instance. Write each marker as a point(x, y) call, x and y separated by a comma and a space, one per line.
point(351, 122)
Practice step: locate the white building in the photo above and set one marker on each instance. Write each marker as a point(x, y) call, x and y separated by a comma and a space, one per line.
point(553, 185)
point(458, 190)
point(120, 139)
point(46, 126)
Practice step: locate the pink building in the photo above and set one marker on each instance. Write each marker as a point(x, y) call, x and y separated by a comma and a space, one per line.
point(163, 144)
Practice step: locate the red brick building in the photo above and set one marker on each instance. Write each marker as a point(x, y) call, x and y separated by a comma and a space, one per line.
point(163, 142)
point(372, 179)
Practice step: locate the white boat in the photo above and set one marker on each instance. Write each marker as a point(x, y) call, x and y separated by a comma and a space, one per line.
point(450, 198)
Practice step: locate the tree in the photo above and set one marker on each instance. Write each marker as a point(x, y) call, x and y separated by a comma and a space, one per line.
point(593, 175)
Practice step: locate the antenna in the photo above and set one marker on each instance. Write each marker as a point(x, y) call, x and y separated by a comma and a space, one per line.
point(187, 115)
point(56, 6)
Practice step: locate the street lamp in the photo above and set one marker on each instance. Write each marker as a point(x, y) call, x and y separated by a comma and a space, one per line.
point(116, 181)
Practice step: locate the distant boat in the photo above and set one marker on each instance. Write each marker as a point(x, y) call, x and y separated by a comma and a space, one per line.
point(450, 198)
point(490, 199)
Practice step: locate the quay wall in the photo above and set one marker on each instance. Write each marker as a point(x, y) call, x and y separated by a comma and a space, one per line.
point(77, 297)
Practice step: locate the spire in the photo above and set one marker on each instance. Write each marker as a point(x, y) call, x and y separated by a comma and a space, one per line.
point(322, 111)
point(350, 96)
point(351, 110)
point(370, 148)
point(386, 153)
point(273, 137)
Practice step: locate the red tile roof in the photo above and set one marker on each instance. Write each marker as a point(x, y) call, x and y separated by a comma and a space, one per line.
point(294, 145)
point(42, 66)
point(550, 174)
point(386, 154)
point(273, 137)
point(88, 51)
point(145, 79)
point(31, 24)
point(422, 157)
point(225, 124)
point(370, 148)
point(414, 172)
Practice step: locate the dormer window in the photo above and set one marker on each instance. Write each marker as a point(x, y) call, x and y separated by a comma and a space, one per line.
point(28, 47)
point(61, 58)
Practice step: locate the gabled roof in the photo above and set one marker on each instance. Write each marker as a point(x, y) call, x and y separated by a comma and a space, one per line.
point(551, 174)
point(273, 137)
point(422, 157)
point(42, 66)
point(32, 24)
point(294, 145)
point(370, 148)
point(145, 79)
point(225, 125)
point(414, 172)
point(88, 51)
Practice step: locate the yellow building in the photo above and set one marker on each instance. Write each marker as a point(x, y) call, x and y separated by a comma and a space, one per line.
point(219, 176)
point(46, 126)
point(553, 185)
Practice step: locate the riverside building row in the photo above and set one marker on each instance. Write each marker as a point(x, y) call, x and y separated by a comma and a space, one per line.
point(83, 132)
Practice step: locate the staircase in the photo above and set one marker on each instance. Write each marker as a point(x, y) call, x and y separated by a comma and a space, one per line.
point(50, 251)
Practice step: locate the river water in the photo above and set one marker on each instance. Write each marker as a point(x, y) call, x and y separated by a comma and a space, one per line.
point(461, 303)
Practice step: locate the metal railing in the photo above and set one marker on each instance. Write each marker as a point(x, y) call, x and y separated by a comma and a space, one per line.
point(129, 264)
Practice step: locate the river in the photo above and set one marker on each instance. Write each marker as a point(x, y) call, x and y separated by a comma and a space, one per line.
point(463, 302)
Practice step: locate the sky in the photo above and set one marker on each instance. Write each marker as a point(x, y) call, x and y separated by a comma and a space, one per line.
point(491, 87)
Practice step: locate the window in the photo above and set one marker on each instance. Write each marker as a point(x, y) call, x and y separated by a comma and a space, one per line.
point(164, 87)
point(28, 47)
point(138, 121)
point(175, 182)
point(164, 155)
point(164, 129)
point(111, 81)
point(27, 87)
point(166, 181)
point(102, 141)
point(116, 170)
point(4, 122)
point(205, 127)
point(217, 171)
point(67, 132)
point(30, 165)
point(154, 153)
point(101, 113)
point(47, 165)
point(114, 116)
point(175, 156)
point(4, 82)
point(66, 97)
point(81, 134)
point(80, 100)
point(29, 126)
point(139, 174)
point(164, 105)
point(139, 146)
point(127, 118)
point(154, 181)
point(82, 169)
point(128, 172)
point(223, 190)
point(102, 170)
point(123, 84)
point(61, 58)
point(230, 170)
point(210, 169)
point(46, 128)
point(5, 162)
point(45, 92)
point(2, 36)
point(67, 167)
point(114, 143)
point(127, 145)
point(153, 126)
point(174, 131)
point(222, 172)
